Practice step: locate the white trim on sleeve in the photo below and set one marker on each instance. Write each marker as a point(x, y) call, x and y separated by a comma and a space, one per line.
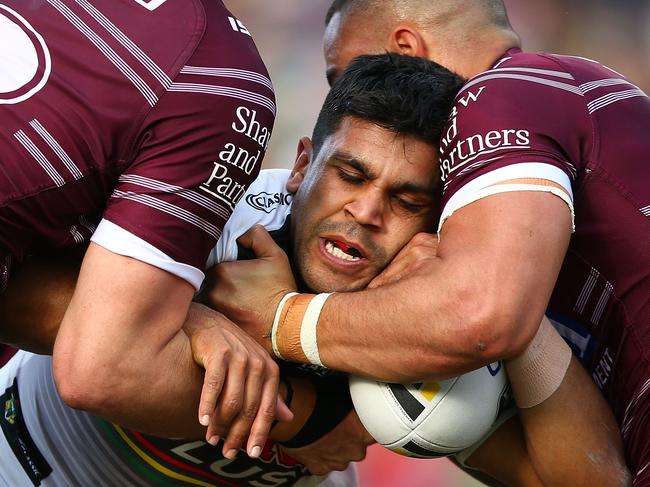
point(488, 184)
point(114, 238)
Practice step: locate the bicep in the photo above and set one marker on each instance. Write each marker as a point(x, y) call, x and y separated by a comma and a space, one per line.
point(121, 306)
point(510, 246)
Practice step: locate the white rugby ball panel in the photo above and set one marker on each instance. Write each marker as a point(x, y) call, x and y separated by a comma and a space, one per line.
point(431, 419)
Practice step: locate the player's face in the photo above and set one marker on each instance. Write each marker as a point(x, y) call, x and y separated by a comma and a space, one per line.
point(343, 42)
point(366, 193)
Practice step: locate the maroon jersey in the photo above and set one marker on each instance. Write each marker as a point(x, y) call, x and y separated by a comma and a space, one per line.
point(586, 127)
point(154, 114)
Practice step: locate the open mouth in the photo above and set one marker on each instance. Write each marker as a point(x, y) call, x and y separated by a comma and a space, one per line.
point(342, 251)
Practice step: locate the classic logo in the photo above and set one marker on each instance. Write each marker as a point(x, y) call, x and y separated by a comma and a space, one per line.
point(267, 202)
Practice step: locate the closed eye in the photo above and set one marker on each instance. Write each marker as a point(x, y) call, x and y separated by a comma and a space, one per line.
point(414, 208)
point(348, 177)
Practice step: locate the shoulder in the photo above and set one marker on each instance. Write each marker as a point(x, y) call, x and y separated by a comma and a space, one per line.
point(266, 202)
point(517, 80)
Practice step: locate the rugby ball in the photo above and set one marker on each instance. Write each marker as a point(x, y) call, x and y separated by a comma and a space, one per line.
point(431, 419)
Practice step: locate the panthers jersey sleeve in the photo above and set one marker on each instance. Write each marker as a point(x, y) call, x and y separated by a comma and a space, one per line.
point(195, 154)
point(513, 128)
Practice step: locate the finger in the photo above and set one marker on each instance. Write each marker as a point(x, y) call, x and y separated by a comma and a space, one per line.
point(212, 385)
point(394, 272)
point(260, 242)
point(240, 428)
point(265, 416)
point(422, 246)
point(282, 411)
point(230, 401)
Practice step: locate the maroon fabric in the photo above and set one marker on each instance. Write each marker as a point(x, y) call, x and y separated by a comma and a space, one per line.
point(6, 352)
point(162, 113)
point(593, 124)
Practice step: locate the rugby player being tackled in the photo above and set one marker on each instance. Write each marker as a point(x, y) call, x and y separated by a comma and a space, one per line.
point(364, 184)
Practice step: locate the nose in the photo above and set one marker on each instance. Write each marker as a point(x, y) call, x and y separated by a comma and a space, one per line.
point(367, 207)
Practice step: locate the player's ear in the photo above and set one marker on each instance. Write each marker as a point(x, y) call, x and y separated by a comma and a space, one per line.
point(407, 40)
point(303, 159)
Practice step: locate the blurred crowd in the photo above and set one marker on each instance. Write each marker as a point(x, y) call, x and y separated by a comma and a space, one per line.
point(288, 34)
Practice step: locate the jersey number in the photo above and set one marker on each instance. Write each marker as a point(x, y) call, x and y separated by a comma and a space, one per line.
point(151, 5)
point(237, 26)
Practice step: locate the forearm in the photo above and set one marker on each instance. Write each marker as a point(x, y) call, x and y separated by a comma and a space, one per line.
point(503, 459)
point(34, 304)
point(381, 333)
point(155, 390)
point(120, 351)
point(479, 297)
point(426, 326)
point(572, 437)
point(564, 433)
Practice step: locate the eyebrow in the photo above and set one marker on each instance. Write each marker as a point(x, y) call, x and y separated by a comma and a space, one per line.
point(357, 164)
point(362, 167)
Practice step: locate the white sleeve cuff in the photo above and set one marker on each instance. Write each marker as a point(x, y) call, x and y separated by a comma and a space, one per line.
point(489, 184)
point(117, 240)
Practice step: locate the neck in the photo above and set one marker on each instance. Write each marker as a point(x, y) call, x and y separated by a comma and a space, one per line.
point(475, 55)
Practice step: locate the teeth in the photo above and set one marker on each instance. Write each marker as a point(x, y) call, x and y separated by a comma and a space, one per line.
point(337, 252)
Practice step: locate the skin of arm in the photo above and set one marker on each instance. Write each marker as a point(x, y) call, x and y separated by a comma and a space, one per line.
point(576, 413)
point(478, 297)
point(487, 289)
point(571, 438)
point(116, 336)
point(33, 306)
point(32, 310)
point(121, 334)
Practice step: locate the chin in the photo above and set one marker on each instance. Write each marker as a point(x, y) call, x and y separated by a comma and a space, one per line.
point(330, 284)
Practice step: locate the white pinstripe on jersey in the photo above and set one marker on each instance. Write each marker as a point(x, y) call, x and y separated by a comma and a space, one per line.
point(188, 194)
point(56, 147)
point(228, 91)
point(587, 289)
point(105, 49)
point(127, 43)
point(488, 75)
point(170, 209)
point(610, 98)
point(229, 73)
point(43, 161)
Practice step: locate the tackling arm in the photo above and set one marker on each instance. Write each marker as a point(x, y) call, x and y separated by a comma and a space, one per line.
point(569, 438)
point(481, 298)
point(34, 307)
point(35, 303)
point(477, 298)
point(121, 335)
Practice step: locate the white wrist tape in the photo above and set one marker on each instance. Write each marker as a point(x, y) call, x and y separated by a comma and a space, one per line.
point(308, 335)
point(276, 322)
point(537, 373)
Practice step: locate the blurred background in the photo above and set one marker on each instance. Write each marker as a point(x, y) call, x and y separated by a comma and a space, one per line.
point(288, 34)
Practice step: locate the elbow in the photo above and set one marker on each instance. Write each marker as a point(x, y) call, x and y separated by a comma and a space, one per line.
point(81, 386)
point(496, 330)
